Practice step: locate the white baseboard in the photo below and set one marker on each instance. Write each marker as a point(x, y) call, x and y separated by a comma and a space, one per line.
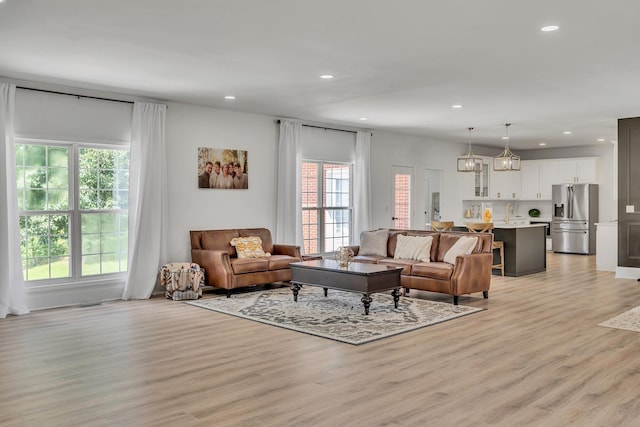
point(63, 295)
point(627, 273)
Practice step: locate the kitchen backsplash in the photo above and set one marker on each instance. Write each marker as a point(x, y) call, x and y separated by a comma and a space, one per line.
point(518, 208)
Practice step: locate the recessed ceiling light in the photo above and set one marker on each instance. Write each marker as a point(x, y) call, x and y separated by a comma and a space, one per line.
point(229, 97)
point(363, 118)
point(327, 76)
point(567, 132)
point(549, 28)
point(600, 139)
point(542, 144)
point(456, 106)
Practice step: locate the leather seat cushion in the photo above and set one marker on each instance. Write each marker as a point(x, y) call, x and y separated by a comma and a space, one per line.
point(249, 265)
point(280, 262)
point(406, 264)
point(370, 259)
point(433, 270)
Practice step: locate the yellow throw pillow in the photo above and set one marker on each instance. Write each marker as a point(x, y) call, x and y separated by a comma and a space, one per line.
point(249, 247)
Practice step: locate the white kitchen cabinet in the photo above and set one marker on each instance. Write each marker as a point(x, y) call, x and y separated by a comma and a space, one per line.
point(505, 184)
point(576, 170)
point(475, 184)
point(537, 178)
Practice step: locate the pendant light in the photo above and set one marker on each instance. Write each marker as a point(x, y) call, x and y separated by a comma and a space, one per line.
point(506, 161)
point(469, 162)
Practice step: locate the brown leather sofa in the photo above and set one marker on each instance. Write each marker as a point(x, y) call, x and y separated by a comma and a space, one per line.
point(471, 273)
point(211, 249)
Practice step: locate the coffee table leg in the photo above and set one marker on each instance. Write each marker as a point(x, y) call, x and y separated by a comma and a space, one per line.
point(295, 288)
point(325, 291)
point(396, 296)
point(366, 300)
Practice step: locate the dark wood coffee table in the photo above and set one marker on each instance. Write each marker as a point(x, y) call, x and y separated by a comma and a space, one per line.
point(357, 277)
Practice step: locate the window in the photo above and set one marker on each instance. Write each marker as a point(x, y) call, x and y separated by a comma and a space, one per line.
point(73, 201)
point(326, 206)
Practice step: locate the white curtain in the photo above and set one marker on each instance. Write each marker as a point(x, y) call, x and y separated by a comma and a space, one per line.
point(13, 299)
point(148, 205)
point(289, 197)
point(362, 186)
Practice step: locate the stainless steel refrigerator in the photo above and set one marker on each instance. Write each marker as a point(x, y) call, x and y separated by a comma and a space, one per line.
point(575, 213)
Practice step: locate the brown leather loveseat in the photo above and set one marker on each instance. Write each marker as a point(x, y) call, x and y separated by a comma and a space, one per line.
point(212, 250)
point(470, 273)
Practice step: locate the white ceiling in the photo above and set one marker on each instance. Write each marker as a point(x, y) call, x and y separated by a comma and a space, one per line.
point(401, 63)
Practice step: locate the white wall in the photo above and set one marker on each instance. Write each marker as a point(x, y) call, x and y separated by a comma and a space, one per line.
point(389, 149)
point(191, 208)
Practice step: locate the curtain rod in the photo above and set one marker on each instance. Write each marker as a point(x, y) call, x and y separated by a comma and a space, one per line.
point(73, 94)
point(325, 128)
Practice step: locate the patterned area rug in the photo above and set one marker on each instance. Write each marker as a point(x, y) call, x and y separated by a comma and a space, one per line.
point(629, 321)
point(339, 316)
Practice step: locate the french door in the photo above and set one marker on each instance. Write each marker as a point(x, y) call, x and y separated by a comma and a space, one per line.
point(403, 178)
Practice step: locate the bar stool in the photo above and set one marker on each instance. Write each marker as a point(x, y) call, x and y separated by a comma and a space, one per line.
point(442, 225)
point(487, 227)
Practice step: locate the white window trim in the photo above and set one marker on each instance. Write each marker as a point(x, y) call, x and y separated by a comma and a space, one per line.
point(75, 242)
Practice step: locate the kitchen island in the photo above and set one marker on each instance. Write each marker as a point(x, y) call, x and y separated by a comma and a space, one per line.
point(524, 248)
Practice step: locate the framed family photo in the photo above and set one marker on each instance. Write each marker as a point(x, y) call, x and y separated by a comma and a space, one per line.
point(223, 169)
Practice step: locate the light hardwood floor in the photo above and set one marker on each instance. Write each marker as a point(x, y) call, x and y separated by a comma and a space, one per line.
point(535, 357)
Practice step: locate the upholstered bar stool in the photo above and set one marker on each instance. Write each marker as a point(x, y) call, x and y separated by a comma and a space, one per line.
point(487, 227)
point(442, 225)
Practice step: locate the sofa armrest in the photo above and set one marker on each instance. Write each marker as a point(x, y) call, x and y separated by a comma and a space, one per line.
point(217, 266)
point(290, 250)
point(472, 273)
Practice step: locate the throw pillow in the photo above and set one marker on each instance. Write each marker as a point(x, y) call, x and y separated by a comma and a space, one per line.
point(463, 246)
point(413, 247)
point(249, 247)
point(373, 242)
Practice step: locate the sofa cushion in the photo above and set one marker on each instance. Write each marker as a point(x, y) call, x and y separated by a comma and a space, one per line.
point(374, 242)
point(414, 247)
point(263, 233)
point(433, 270)
point(463, 246)
point(370, 259)
point(280, 262)
point(219, 240)
point(391, 242)
point(249, 247)
point(249, 265)
point(406, 264)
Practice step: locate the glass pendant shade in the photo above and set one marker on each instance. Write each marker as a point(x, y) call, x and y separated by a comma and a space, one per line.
point(469, 162)
point(506, 161)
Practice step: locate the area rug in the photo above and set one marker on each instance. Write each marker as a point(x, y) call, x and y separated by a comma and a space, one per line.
point(339, 316)
point(629, 321)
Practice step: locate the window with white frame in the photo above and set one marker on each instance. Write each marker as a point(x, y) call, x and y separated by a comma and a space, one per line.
point(326, 206)
point(72, 202)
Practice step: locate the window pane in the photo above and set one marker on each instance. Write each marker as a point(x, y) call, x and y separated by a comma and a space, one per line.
point(104, 243)
point(336, 185)
point(402, 200)
point(310, 185)
point(35, 155)
point(45, 246)
point(58, 157)
point(337, 228)
point(36, 200)
point(311, 231)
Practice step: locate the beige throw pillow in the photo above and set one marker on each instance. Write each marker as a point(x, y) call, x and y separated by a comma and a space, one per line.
point(373, 242)
point(249, 247)
point(463, 246)
point(414, 247)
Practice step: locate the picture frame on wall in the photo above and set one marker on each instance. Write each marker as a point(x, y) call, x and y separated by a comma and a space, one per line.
point(223, 169)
